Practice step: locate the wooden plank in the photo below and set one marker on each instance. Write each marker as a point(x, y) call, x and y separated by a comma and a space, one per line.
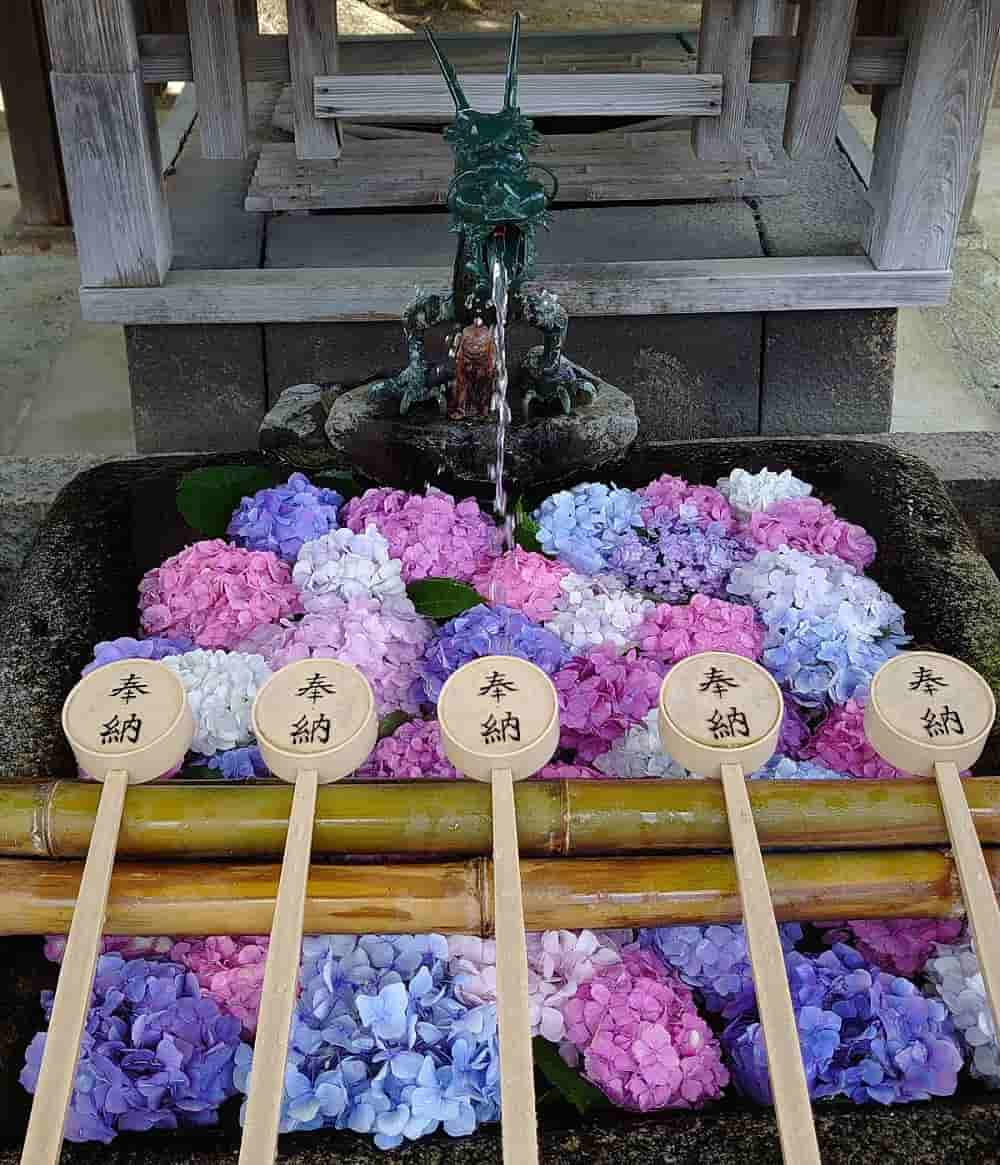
point(928, 132)
point(34, 141)
point(218, 75)
point(825, 29)
point(92, 36)
point(856, 149)
point(425, 97)
point(677, 287)
point(769, 17)
point(312, 51)
point(873, 60)
point(113, 178)
point(725, 43)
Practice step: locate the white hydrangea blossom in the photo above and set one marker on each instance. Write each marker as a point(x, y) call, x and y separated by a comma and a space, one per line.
point(640, 753)
point(346, 565)
point(956, 977)
point(747, 492)
point(596, 609)
point(221, 686)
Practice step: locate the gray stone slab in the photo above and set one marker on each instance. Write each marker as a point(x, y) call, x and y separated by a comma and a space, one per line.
point(828, 372)
point(196, 386)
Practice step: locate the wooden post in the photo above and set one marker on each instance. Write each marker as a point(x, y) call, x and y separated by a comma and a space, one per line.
point(826, 29)
point(312, 51)
point(928, 131)
point(217, 62)
point(34, 140)
point(110, 154)
point(769, 17)
point(725, 44)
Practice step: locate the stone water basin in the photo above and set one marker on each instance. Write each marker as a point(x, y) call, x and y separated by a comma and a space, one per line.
point(78, 586)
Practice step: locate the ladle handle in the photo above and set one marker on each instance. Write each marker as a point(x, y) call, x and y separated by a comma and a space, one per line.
point(519, 1131)
point(43, 1142)
point(281, 978)
point(974, 878)
point(774, 1000)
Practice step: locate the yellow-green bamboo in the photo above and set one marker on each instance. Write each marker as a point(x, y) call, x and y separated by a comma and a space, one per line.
point(164, 898)
point(452, 819)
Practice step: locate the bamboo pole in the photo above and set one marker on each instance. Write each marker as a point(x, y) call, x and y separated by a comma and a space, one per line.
point(449, 819)
point(457, 897)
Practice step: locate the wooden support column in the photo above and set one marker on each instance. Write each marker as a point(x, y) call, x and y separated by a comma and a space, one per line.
point(826, 30)
point(109, 146)
point(312, 51)
point(725, 44)
point(218, 77)
point(34, 141)
point(769, 17)
point(929, 130)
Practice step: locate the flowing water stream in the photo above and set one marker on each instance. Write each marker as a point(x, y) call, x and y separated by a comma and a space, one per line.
point(505, 521)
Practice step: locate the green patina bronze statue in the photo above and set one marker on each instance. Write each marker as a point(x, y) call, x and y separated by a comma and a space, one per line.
point(496, 207)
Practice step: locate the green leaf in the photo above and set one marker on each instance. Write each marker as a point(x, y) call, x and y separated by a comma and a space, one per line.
point(442, 598)
point(206, 498)
point(570, 1085)
point(388, 724)
point(525, 528)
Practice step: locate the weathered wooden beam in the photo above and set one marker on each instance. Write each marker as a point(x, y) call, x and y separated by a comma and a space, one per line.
point(769, 17)
point(825, 31)
point(725, 44)
point(92, 37)
point(308, 295)
point(218, 76)
point(425, 97)
point(856, 149)
point(928, 131)
point(312, 51)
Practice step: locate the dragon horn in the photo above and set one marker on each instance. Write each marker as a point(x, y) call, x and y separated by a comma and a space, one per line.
point(510, 93)
point(450, 76)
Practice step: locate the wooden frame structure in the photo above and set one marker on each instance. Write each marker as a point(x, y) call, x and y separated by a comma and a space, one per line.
point(934, 76)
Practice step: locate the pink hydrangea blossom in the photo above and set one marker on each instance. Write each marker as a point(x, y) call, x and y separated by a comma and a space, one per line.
point(433, 535)
point(642, 1040)
point(602, 694)
point(131, 946)
point(472, 964)
point(521, 579)
point(840, 744)
point(412, 752)
point(561, 771)
point(900, 946)
point(383, 639)
point(231, 969)
point(807, 524)
point(671, 497)
point(671, 633)
point(216, 594)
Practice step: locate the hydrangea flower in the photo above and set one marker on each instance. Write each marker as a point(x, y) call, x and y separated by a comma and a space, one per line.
point(216, 594)
point(901, 946)
point(155, 1053)
point(561, 771)
point(412, 752)
point(642, 1040)
point(221, 687)
point(230, 968)
point(559, 961)
point(675, 558)
point(345, 565)
point(583, 525)
point(805, 523)
point(115, 650)
point(673, 497)
point(528, 582)
point(237, 764)
point(785, 768)
point(595, 610)
point(840, 744)
point(671, 633)
point(282, 518)
point(484, 630)
point(743, 1040)
point(433, 535)
point(639, 753)
point(384, 640)
point(130, 946)
point(955, 974)
point(602, 694)
point(748, 492)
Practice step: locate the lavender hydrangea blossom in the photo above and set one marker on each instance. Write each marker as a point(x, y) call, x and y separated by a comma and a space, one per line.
point(283, 518)
point(155, 647)
point(236, 764)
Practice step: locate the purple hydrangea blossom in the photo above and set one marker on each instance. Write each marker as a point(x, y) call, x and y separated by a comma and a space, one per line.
point(283, 518)
point(484, 630)
point(236, 764)
point(582, 526)
point(155, 647)
point(155, 1054)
